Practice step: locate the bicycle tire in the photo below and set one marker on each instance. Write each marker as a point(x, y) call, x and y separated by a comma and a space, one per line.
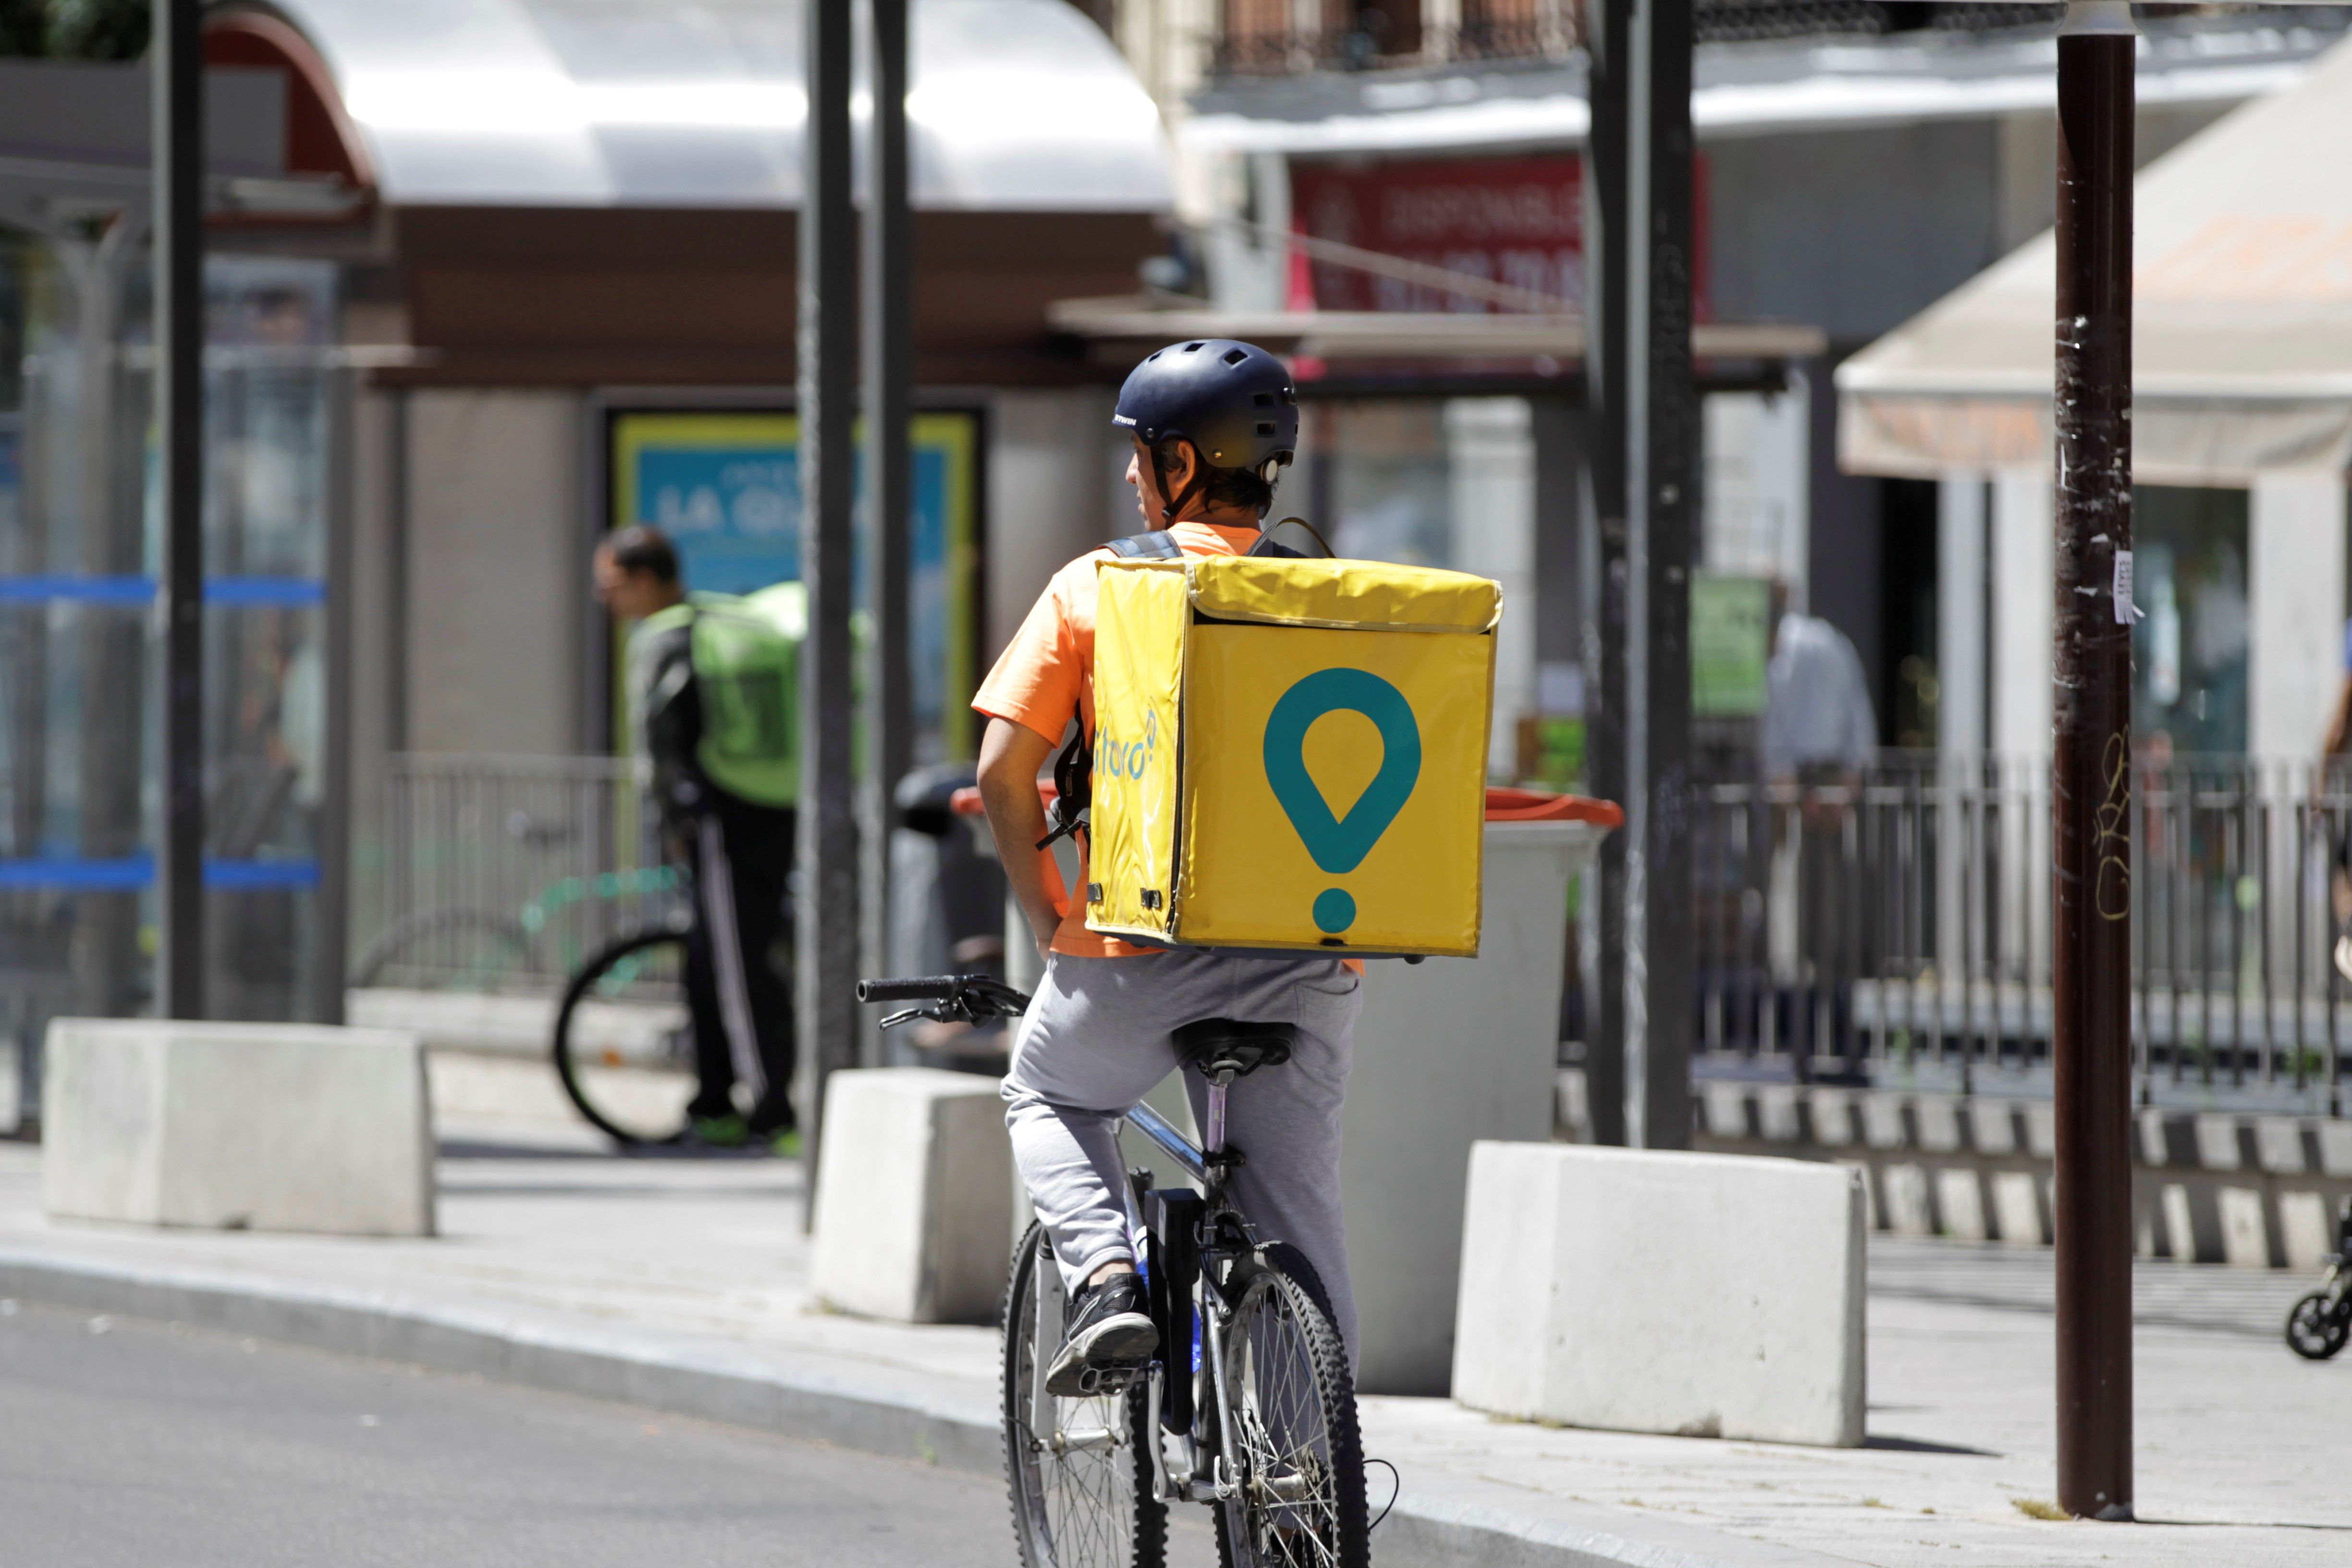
point(499, 942)
point(2317, 1326)
point(581, 1067)
point(1091, 1507)
point(1285, 1355)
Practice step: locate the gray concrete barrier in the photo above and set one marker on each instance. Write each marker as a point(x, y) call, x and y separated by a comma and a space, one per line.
point(1698, 1294)
point(296, 1127)
point(1447, 1052)
point(914, 1195)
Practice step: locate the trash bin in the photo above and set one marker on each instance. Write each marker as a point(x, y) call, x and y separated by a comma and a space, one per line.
point(1449, 1051)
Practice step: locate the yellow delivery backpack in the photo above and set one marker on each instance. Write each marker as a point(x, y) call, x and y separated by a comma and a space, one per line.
point(1290, 753)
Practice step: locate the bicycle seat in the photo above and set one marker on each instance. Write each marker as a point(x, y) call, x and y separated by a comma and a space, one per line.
point(1229, 1046)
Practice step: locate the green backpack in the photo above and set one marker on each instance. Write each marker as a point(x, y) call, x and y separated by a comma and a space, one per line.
point(747, 656)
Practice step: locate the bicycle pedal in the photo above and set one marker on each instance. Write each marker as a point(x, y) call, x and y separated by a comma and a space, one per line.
point(1097, 1380)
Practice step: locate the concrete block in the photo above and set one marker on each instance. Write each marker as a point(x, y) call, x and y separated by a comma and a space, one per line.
point(1706, 1295)
point(1909, 1209)
point(2306, 1229)
point(2335, 1147)
point(2245, 1233)
point(2017, 1209)
point(1449, 1052)
point(1935, 1119)
point(12, 1068)
point(2224, 1142)
point(2041, 1129)
point(2279, 1145)
point(914, 1195)
point(1960, 1203)
point(297, 1127)
point(1779, 1114)
point(1837, 1119)
point(1723, 1105)
point(1993, 1127)
point(1882, 1120)
point(2167, 1138)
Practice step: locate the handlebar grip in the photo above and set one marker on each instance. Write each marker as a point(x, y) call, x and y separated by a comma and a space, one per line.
point(928, 988)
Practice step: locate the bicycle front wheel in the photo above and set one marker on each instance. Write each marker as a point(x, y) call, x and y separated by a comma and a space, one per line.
point(1079, 1469)
point(1289, 1426)
point(624, 1040)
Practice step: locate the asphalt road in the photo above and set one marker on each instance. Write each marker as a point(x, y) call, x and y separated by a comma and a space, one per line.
point(127, 1443)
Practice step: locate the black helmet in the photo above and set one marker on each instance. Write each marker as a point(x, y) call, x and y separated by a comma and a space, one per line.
point(1232, 400)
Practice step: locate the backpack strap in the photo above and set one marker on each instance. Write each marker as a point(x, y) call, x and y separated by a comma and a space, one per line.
point(1073, 769)
point(1157, 545)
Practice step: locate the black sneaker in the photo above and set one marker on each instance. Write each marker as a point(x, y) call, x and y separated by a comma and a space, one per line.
point(1109, 1337)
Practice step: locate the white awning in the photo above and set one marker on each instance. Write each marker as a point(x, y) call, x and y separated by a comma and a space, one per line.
point(1740, 90)
point(2242, 319)
point(1012, 105)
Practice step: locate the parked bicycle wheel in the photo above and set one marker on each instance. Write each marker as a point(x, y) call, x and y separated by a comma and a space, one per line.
point(445, 949)
point(625, 1042)
point(1079, 1469)
point(2318, 1325)
point(1291, 1437)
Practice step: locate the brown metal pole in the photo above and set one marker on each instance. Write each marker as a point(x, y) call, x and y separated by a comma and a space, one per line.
point(2091, 765)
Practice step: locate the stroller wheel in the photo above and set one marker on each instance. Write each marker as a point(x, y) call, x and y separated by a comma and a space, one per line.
point(2317, 1327)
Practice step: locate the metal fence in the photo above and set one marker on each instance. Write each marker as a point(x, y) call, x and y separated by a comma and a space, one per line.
point(503, 872)
point(1895, 926)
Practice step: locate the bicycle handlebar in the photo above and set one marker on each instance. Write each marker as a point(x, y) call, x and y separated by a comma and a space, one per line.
point(930, 988)
point(967, 998)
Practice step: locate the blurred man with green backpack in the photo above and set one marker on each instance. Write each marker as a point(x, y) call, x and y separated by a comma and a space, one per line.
point(714, 697)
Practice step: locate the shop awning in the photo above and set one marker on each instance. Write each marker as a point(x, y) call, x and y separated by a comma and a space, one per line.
point(2243, 339)
point(1012, 105)
point(1120, 328)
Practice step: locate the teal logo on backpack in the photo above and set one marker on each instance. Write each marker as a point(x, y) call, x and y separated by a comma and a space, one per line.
point(1339, 844)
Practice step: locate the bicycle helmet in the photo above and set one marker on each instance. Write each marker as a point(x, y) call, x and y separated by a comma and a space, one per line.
point(1233, 401)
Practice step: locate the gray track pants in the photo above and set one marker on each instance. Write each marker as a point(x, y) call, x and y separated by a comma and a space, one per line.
point(1097, 1039)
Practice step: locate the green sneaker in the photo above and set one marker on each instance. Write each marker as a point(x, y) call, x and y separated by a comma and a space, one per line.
point(728, 1131)
point(787, 1143)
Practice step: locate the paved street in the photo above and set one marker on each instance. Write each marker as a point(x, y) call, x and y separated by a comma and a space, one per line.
point(131, 1445)
point(702, 1265)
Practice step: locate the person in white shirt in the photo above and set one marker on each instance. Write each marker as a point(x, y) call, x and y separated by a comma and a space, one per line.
point(1818, 733)
point(1816, 713)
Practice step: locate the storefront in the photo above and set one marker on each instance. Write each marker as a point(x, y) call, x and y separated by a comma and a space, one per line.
point(493, 277)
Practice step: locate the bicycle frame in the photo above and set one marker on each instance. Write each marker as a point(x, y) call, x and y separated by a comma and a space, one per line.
point(1223, 1237)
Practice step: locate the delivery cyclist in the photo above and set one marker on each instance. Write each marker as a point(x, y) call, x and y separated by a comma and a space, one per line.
point(1212, 421)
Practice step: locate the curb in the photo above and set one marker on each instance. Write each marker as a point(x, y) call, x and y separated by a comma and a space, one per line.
point(1430, 1532)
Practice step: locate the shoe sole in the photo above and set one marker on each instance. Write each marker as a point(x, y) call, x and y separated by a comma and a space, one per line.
point(1122, 1344)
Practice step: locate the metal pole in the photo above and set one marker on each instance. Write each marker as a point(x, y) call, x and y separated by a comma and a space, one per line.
point(1661, 484)
point(179, 417)
point(339, 389)
point(827, 917)
point(1649, 423)
point(2091, 763)
point(889, 376)
point(1605, 635)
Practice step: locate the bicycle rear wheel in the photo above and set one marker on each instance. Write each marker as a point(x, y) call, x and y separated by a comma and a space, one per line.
point(446, 950)
point(624, 1041)
point(1079, 1469)
point(1290, 1434)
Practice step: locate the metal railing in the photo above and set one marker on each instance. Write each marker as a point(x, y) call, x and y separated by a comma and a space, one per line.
point(1896, 928)
point(503, 872)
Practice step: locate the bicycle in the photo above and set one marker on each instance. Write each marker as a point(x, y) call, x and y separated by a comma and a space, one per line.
point(1249, 1408)
point(2318, 1325)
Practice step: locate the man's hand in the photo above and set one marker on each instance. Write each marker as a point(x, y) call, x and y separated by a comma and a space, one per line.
point(1010, 756)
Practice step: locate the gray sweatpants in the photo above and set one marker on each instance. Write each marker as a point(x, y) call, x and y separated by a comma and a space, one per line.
point(1097, 1039)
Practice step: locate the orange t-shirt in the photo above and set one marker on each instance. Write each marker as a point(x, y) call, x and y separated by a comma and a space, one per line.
point(1046, 673)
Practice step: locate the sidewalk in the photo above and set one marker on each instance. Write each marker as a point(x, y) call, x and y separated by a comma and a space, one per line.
point(683, 1284)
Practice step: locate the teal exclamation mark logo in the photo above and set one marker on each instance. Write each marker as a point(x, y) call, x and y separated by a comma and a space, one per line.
point(1340, 843)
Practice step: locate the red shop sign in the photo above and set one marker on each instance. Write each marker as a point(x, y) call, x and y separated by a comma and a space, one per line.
point(1518, 221)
